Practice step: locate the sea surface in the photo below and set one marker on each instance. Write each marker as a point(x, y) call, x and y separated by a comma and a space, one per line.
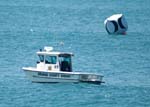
point(75, 26)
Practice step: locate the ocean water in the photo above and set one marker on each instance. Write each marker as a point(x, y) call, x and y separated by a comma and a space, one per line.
point(123, 60)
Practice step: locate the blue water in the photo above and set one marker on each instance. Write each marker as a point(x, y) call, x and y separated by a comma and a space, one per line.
point(124, 60)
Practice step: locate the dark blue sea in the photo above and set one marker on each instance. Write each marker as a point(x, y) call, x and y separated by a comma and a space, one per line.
point(123, 60)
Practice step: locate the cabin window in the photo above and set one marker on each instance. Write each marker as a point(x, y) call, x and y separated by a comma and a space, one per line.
point(41, 58)
point(50, 59)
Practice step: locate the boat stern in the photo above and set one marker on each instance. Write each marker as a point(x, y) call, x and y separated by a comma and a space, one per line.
point(91, 78)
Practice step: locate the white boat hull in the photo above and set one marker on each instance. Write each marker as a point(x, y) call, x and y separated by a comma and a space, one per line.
point(54, 77)
point(34, 77)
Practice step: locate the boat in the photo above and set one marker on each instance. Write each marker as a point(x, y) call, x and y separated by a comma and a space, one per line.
point(56, 67)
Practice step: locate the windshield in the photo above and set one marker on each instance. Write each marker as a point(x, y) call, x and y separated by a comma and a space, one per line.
point(50, 59)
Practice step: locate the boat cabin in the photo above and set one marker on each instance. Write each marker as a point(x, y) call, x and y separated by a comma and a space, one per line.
point(54, 61)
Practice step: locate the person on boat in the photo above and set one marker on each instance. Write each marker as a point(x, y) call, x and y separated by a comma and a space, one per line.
point(65, 66)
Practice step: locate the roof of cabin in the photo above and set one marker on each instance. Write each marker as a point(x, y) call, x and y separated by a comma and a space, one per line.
point(53, 53)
